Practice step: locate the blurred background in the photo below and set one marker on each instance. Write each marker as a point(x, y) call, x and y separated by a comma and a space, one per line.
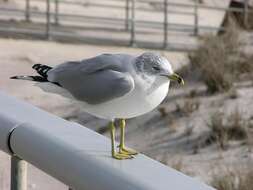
point(203, 129)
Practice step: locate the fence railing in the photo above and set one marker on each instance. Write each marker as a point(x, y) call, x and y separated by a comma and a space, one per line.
point(130, 28)
point(75, 155)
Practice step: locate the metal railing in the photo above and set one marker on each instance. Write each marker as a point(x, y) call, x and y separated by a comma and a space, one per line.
point(75, 155)
point(127, 29)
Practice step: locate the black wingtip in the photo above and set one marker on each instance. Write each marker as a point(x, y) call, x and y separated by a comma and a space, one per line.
point(36, 66)
point(14, 77)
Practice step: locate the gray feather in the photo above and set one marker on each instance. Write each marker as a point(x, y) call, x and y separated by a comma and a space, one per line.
point(95, 80)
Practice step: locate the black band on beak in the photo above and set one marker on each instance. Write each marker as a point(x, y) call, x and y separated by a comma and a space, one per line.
point(176, 77)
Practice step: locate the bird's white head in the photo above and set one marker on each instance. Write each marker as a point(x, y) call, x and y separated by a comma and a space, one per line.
point(154, 65)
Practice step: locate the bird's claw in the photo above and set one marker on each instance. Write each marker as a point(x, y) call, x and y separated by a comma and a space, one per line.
point(127, 151)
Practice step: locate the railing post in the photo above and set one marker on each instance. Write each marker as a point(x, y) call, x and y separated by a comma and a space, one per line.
point(27, 11)
point(56, 12)
point(245, 13)
point(132, 40)
point(165, 40)
point(196, 18)
point(48, 20)
point(127, 15)
point(18, 174)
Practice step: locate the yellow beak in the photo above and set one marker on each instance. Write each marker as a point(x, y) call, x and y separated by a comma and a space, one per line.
point(176, 77)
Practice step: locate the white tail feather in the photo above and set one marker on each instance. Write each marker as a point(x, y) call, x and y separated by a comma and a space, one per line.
point(55, 89)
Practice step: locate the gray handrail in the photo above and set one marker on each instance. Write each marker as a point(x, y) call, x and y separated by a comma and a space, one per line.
point(78, 156)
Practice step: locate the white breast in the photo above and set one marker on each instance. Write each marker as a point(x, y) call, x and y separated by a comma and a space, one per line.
point(133, 104)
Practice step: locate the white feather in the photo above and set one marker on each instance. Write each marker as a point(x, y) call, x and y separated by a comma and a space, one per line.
point(133, 104)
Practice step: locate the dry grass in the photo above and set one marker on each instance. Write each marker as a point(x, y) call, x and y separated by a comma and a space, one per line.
point(223, 129)
point(219, 61)
point(240, 16)
point(176, 162)
point(187, 107)
point(234, 180)
point(218, 131)
point(232, 93)
point(237, 126)
point(245, 68)
point(250, 20)
point(193, 93)
point(162, 110)
point(216, 59)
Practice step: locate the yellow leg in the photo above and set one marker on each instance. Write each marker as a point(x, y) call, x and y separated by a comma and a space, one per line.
point(122, 148)
point(116, 155)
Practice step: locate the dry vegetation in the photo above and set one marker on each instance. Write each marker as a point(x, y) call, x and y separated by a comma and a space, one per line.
point(250, 20)
point(223, 129)
point(220, 61)
point(213, 58)
point(240, 17)
point(234, 180)
point(176, 162)
point(187, 107)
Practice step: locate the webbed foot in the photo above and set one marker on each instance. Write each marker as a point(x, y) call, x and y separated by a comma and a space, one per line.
point(125, 151)
point(121, 156)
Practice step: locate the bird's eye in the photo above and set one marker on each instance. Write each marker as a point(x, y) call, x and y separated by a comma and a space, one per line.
point(156, 68)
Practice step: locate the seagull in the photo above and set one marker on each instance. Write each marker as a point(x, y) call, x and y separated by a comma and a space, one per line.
point(111, 86)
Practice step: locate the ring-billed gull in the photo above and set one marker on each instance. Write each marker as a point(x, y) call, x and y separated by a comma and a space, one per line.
point(111, 86)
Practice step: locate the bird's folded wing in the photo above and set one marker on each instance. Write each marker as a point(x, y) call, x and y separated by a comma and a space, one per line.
point(102, 62)
point(93, 84)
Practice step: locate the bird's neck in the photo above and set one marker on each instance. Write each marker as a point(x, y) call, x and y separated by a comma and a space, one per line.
point(148, 83)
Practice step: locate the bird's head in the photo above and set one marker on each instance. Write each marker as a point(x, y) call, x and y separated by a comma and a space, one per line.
point(155, 65)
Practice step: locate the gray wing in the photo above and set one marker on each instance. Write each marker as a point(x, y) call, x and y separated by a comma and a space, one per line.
point(116, 62)
point(96, 80)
